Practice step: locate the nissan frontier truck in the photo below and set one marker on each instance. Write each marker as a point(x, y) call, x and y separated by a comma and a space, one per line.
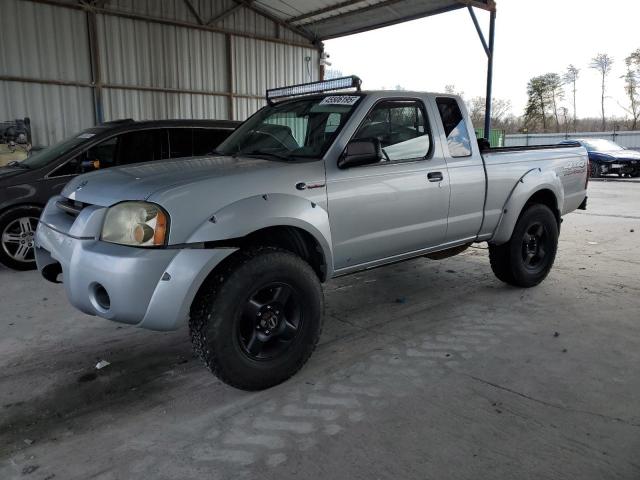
point(325, 180)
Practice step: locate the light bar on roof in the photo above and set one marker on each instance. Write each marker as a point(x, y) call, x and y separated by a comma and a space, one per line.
point(341, 83)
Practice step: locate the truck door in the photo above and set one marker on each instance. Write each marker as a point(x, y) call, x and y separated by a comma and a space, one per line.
point(397, 205)
point(466, 171)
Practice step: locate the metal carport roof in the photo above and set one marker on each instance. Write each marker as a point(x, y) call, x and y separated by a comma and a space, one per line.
point(325, 19)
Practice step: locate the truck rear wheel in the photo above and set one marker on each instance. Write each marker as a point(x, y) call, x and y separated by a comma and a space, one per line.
point(526, 259)
point(257, 323)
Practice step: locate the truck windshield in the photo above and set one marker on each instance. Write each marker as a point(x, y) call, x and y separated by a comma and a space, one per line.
point(600, 145)
point(52, 153)
point(291, 130)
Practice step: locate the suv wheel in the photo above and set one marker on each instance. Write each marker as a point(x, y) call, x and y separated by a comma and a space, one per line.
point(17, 231)
point(257, 323)
point(525, 260)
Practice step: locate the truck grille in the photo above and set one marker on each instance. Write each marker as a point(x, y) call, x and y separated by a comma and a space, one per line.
point(70, 207)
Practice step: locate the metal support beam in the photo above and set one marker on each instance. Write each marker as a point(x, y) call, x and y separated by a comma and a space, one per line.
point(177, 23)
point(94, 61)
point(222, 15)
point(194, 12)
point(487, 109)
point(119, 86)
point(278, 21)
point(230, 76)
point(478, 29)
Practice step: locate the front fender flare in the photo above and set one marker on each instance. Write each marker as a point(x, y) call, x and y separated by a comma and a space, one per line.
point(248, 215)
point(533, 181)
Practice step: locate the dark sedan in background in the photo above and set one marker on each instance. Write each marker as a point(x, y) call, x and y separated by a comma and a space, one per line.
point(26, 186)
point(607, 157)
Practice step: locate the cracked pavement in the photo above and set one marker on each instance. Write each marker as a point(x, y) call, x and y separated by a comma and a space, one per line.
point(426, 369)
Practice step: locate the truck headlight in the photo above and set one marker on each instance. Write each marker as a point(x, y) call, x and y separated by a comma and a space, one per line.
point(139, 224)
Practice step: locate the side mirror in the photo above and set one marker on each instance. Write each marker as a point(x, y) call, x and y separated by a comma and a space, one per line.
point(359, 152)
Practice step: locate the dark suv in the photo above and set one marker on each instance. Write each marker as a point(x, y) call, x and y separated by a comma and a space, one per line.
point(25, 187)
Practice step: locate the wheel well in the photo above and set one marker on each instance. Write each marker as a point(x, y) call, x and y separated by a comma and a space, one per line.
point(294, 239)
point(545, 197)
point(21, 205)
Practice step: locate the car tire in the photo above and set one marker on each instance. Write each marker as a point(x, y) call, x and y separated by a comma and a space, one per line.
point(596, 169)
point(257, 322)
point(17, 230)
point(526, 259)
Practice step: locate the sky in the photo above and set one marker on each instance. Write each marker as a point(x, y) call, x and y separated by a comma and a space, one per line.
point(532, 38)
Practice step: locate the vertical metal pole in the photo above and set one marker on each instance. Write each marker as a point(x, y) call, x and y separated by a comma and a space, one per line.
point(230, 76)
point(487, 111)
point(321, 67)
point(94, 60)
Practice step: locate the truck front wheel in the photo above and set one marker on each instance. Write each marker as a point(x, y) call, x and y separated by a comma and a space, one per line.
point(256, 324)
point(525, 260)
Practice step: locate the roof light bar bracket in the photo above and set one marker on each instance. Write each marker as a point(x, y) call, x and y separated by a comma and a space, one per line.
point(341, 83)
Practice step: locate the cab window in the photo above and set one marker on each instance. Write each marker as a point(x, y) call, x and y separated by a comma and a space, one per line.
point(455, 127)
point(401, 128)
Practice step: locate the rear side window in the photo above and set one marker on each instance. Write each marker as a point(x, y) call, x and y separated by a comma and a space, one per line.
point(143, 146)
point(206, 140)
point(180, 142)
point(455, 127)
point(401, 127)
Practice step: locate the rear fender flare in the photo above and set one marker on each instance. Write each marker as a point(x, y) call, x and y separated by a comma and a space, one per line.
point(528, 185)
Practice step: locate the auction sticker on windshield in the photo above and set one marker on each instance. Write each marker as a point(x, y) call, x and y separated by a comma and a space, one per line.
point(340, 100)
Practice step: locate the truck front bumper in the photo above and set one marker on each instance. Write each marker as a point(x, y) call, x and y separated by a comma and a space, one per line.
point(150, 288)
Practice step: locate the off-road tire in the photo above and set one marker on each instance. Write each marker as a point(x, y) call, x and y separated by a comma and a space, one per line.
point(6, 218)
point(217, 309)
point(508, 260)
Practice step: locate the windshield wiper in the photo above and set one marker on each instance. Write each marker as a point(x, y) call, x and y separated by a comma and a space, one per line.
point(258, 153)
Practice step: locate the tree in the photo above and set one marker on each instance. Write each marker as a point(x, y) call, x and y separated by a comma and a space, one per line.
point(538, 103)
point(451, 90)
point(499, 110)
point(556, 93)
point(603, 63)
point(632, 86)
point(571, 78)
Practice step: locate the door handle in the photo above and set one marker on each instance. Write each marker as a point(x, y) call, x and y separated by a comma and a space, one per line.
point(435, 176)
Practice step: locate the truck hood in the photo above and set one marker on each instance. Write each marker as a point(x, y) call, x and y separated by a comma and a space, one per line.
point(140, 181)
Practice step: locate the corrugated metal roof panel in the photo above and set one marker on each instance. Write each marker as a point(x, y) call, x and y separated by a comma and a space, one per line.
point(56, 112)
point(43, 41)
point(334, 18)
point(260, 65)
point(134, 52)
point(145, 105)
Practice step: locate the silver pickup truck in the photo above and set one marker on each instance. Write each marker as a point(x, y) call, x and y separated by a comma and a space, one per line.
point(319, 183)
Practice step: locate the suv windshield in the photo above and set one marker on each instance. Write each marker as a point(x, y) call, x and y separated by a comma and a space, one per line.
point(48, 155)
point(302, 128)
point(598, 145)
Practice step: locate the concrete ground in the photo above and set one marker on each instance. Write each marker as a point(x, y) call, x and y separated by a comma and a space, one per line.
point(427, 369)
